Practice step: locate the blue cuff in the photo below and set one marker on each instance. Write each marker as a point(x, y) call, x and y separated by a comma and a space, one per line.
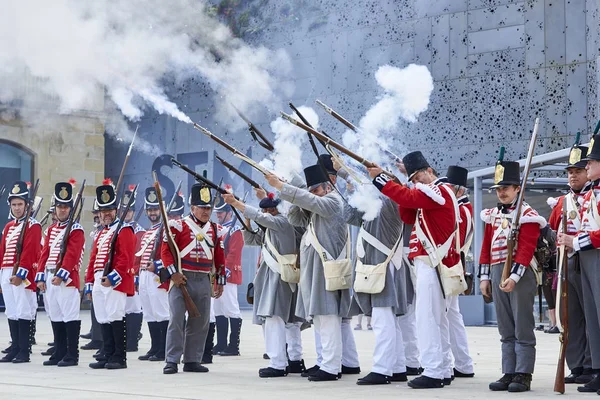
point(63, 274)
point(585, 242)
point(40, 277)
point(484, 270)
point(517, 272)
point(381, 180)
point(171, 270)
point(136, 280)
point(114, 278)
point(22, 273)
point(158, 264)
point(227, 273)
point(87, 288)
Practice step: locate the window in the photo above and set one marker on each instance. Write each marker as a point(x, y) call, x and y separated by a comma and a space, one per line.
point(16, 163)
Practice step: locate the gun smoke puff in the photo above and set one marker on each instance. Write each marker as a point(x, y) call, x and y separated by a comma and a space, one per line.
point(68, 51)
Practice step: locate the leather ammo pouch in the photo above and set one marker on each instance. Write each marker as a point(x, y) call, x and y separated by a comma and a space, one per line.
point(371, 278)
point(338, 273)
point(287, 264)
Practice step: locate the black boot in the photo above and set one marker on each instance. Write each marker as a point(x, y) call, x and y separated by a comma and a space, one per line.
point(60, 343)
point(296, 367)
point(271, 372)
point(119, 357)
point(162, 341)
point(154, 330)
point(520, 383)
point(134, 325)
point(71, 357)
point(233, 349)
point(425, 382)
point(13, 349)
point(108, 346)
point(25, 340)
point(585, 376)
point(222, 327)
point(592, 386)
point(575, 373)
point(207, 357)
point(373, 378)
point(502, 383)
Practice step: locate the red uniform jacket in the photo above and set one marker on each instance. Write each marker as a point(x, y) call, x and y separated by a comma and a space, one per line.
point(71, 262)
point(555, 220)
point(122, 258)
point(436, 208)
point(233, 242)
point(588, 237)
point(466, 220)
point(196, 259)
point(30, 253)
point(147, 245)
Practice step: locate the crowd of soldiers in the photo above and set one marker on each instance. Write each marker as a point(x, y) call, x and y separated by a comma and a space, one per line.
point(407, 274)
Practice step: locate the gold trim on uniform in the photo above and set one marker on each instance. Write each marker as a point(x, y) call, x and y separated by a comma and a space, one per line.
point(152, 196)
point(63, 192)
point(575, 155)
point(15, 189)
point(572, 214)
point(205, 195)
point(504, 223)
point(499, 173)
point(105, 197)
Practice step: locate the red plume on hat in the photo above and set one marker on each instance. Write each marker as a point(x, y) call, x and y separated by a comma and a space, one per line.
point(28, 185)
point(107, 181)
point(72, 181)
point(271, 195)
point(228, 187)
point(131, 187)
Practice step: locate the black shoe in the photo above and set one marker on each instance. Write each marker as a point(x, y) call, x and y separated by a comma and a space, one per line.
point(399, 377)
point(322, 376)
point(266, 356)
point(157, 357)
point(447, 381)
point(311, 371)
point(502, 383)
point(425, 382)
point(49, 352)
point(93, 345)
point(50, 362)
point(350, 370)
point(271, 372)
point(553, 329)
point(145, 357)
point(539, 328)
point(116, 365)
point(411, 371)
point(170, 368)
point(459, 374)
point(194, 367)
point(575, 372)
point(520, 383)
point(296, 367)
point(373, 378)
point(229, 351)
point(586, 376)
point(97, 365)
point(87, 336)
point(592, 386)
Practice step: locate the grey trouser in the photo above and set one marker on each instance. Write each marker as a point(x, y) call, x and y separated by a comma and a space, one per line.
point(196, 329)
point(578, 349)
point(516, 324)
point(590, 285)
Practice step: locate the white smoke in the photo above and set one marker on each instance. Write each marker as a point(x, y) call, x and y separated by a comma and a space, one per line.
point(406, 96)
point(69, 50)
point(286, 159)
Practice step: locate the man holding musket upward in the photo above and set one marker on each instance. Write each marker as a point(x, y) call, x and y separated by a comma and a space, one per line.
point(513, 298)
point(324, 299)
point(201, 252)
point(273, 297)
point(18, 290)
point(110, 291)
point(586, 242)
point(61, 286)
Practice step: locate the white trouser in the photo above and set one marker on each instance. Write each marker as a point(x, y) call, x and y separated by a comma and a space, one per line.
point(388, 356)
point(212, 311)
point(408, 326)
point(293, 338)
point(61, 302)
point(330, 330)
point(458, 337)
point(275, 340)
point(155, 301)
point(109, 304)
point(228, 305)
point(133, 304)
point(432, 323)
point(19, 302)
point(349, 353)
point(318, 345)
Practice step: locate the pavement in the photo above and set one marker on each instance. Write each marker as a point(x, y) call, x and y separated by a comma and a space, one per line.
point(237, 377)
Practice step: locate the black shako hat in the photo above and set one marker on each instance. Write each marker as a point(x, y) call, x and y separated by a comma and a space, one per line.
point(106, 196)
point(457, 175)
point(414, 162)
point(20, 190)
point(178, 205)
point(126, 196)
point(576, 157)
point(201, 196)
point(220, 205)
point(63, 193)
point(594, 150)
point(507, 173)
point(315, 175)
point(150, 198)
point(327, 162)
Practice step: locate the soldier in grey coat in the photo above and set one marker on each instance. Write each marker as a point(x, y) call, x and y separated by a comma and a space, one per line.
point(273, 297)
point(322, 213)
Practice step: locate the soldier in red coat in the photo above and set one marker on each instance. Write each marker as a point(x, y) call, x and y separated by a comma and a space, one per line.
point(430, 207)
point(514, 297)
point(153, 293)
point(18, 289)
point(110, 289)
point(201, 253)
point(60, 282)
point(227, 307)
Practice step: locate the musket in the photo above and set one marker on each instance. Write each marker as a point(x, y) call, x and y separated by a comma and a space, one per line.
point(310, 137)
point(37, 208)
point(210, 184)
point(562, 308)
point(597, 128)
point(72, 219)
point(255, 132)
point(514, 232)
point(108, 266)
point(44, 220)
point(238, 172)
point(118, 187)
point(190, 306)
point(138, 215)
point(27, 217)
point(2, 191)
point(78, 216)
